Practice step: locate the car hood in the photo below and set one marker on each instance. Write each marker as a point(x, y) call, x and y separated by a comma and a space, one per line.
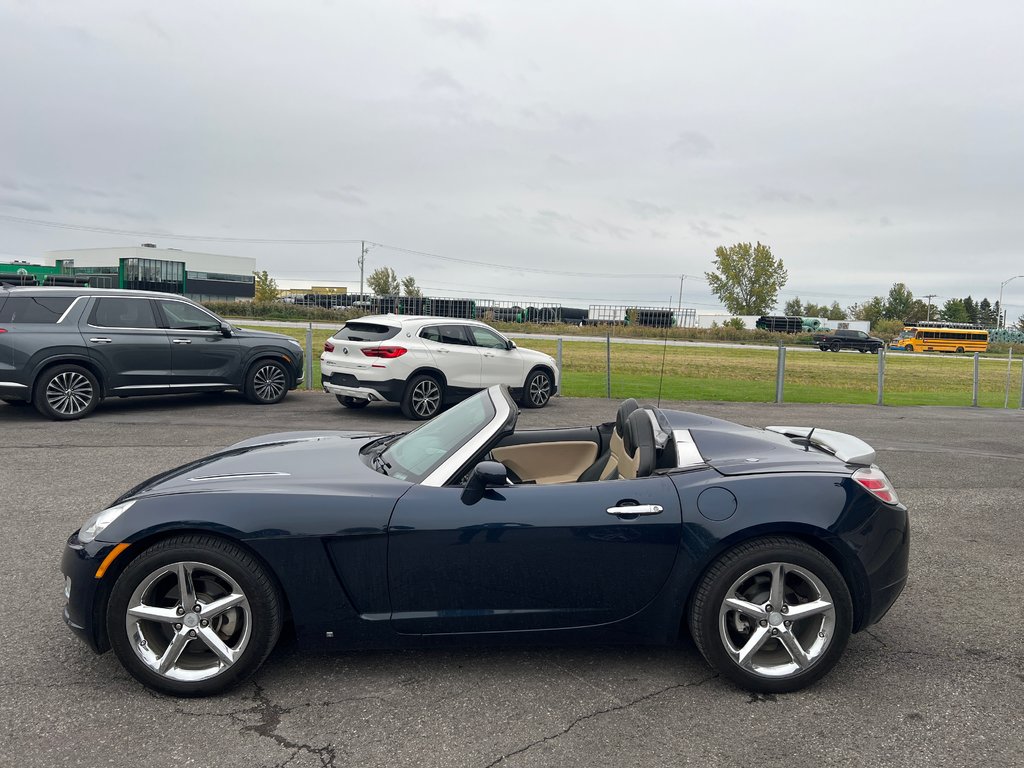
point(271, 462)
point(251, 333)
point(734, 449)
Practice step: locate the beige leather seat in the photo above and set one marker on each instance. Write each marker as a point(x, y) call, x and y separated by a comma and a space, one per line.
point(605, 467)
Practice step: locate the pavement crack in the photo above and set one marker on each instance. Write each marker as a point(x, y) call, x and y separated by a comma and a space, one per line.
point(598, 713)
point(270, 720)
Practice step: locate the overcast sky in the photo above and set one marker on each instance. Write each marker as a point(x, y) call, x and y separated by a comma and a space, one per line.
point(866, 143)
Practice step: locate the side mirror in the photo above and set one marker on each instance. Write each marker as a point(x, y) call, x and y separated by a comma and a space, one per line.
point(486, 474)
point(225, 329)
point(511, 344)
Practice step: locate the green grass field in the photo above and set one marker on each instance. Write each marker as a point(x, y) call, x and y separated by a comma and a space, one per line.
point(748, 375)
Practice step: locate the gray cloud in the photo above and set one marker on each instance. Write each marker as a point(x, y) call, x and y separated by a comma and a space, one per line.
point(692, 144)
point(648, 210)
point(440, 80)
point(771, 194)
point(468, 26)
point(348, 195)
point(703, 229)
point(23, 201)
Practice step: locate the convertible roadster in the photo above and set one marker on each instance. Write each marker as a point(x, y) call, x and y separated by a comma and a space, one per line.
point(769, 546)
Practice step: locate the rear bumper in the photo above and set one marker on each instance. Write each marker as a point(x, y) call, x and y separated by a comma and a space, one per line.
point(885, 555)
point(347, 385)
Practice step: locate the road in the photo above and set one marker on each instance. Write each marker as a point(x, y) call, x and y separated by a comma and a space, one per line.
point(939, 682)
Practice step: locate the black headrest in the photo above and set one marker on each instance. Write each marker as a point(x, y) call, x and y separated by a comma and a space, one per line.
point(639, 436)
point(627, 407)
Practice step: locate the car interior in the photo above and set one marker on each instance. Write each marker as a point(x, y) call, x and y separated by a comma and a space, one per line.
point(636, 444)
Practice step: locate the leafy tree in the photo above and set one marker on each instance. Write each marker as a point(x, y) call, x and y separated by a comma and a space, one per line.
point(955, 311)
point(872, 311)
point(266, 287)
point(835, 312)
point(815, 310)
point(735, 323)
point(971, 309)
point(887, 329)
point(409, 287)
point(383, 281)
point(918, 311)
point(899, 302)
point(987, 314)
point(747, 279)
point(794, 306)
point(1020, 323)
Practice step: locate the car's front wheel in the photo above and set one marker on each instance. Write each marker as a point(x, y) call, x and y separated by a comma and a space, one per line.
point(835, 346)
point(266, 382)
point(773, 615)
point(66, 392)
point(193, 616)
point(423, 398)
point(537, 390)
point(355, 403)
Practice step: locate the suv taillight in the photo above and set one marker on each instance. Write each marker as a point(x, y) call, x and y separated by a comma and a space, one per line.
point(388, 352)
point(328, 347)
point(874, 481)
point(3, 330)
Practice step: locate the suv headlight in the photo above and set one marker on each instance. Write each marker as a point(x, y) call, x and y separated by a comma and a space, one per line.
point(95, 525)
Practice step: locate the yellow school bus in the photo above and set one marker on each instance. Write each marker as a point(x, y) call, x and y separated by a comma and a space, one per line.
point(941, 337)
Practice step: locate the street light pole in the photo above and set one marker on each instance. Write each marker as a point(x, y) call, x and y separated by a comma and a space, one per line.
point(928, 314)
point(362, 260)
point(1000, 322)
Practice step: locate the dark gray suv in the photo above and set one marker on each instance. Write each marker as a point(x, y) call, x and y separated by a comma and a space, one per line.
point(65, 349)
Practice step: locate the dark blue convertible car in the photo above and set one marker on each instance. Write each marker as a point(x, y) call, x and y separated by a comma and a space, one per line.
point(769, 546)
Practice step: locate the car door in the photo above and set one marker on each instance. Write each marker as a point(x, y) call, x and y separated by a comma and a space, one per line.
point(499, 364)
point(122, 334)
point(529, 557)
point(455, 354)
point(201, 355)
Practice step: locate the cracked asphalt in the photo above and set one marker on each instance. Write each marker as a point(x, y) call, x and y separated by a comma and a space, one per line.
point(939, 682)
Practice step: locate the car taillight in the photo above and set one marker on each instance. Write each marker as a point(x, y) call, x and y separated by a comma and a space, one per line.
point(3, 330)
point(874, 481)
point(388, 352)
point(328, 347)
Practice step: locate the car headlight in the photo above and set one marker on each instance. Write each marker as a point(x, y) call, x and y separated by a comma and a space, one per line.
point(95, 525)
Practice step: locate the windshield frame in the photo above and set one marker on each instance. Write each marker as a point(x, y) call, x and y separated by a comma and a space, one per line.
point(503, 420)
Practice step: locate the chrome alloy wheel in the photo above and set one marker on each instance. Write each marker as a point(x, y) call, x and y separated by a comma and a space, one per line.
point(188, 621)
point(776, 620)
point(269, 382)
point(540, 390)
point(69, 393)
point(426, 398)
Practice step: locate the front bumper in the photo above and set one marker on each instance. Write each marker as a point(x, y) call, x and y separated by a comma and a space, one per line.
point(85, 594)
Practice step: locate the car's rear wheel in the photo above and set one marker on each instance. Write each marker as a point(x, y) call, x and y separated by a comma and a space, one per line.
point(960, 350)
point(355, 403)
point(863, 351)
point(423, 398)
point(266, 382)
point(537, 389)
point(773, 615)
point(193, 616)
point(66, 392)
point(835, 346)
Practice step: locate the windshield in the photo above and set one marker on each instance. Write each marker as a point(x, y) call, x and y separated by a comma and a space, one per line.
point(908, 333)
point(414, 456)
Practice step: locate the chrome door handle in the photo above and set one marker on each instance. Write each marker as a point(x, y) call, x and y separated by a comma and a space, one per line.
point(636, 509)
point(181, 341)
point(100, 340)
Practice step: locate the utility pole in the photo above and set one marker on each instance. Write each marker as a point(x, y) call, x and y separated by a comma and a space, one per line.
point(681, 279)
point(929, 296)
point(362, 261)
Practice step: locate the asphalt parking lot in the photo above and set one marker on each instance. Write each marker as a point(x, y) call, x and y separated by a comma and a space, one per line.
point(939, 682)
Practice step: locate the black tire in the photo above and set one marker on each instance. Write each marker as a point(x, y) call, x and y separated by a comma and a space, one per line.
point(823, 347)
point(874, 350)
point(66, 392)
point(863, 351)
point(537, 390)
point(266, 382)
point(355, 403)
point(834, 346)
point(960, 350)
point(249, 629)
point(423, 397)
point(909, 347)
point(740, 574)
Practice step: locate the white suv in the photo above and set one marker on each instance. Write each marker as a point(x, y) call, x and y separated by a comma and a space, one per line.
point(425, 363)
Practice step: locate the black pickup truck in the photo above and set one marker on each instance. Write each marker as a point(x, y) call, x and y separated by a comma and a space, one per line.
point(833, 342)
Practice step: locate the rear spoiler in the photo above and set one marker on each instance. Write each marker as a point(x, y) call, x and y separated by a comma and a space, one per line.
point(844, 447)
